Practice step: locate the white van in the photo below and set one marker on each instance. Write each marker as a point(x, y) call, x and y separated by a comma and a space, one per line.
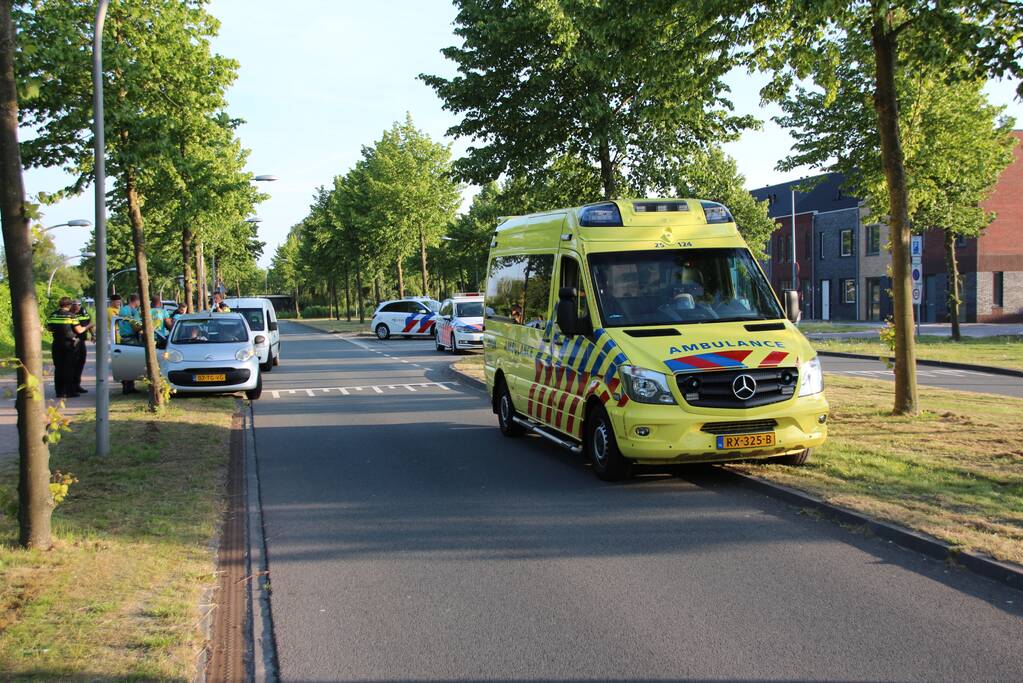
point(262, 318)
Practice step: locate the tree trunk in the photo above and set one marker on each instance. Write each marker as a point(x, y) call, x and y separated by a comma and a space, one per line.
point(376, 288)
point(298, 311)
point(887, 109)
point(335, 312)
point(186, 258)
point(35, 502)
point(358, 294)
point(200, 275)
point(348, 301)
point(607, 171)
point(954, 285)
point(401, 280)
point(139, 241)
point(422, 261)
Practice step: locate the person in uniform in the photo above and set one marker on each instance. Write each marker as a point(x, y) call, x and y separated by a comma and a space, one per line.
point(82, 352)
point(66, 329)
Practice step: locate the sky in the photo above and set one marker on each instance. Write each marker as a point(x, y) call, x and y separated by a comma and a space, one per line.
point(319, 79)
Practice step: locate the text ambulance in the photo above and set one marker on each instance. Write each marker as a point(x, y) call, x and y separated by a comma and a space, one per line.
point(644, 331)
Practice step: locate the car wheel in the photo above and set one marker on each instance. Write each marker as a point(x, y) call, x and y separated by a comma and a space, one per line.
point(602, 448)
point(277, 358)
point(506, 411)
point(253, 394)
point(454, 344)
point(436, 340)
point(383, 332)
point(268, 366)
point(795, 459)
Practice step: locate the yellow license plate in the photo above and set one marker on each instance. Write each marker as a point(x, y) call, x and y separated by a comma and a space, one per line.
point(745, 441)
point(211, 378)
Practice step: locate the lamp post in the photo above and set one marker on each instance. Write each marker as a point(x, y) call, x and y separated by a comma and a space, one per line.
point(110, 282)
point(84, 254)
point(102, 333)
point(74, 223)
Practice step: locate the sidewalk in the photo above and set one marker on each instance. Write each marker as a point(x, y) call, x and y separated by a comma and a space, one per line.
point(74, 406)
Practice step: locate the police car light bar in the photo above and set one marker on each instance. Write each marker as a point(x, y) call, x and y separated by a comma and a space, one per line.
point(458, 294)
point(600, 215)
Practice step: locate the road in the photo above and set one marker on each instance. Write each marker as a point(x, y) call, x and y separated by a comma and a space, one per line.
point(408, 540)
point(929, 376)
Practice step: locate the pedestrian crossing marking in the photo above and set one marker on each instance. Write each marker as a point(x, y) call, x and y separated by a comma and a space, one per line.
point(412, 387)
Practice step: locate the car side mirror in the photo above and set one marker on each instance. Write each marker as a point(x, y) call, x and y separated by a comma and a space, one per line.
point(790, 298)
point(567, 319)
point(272, 325)
point(161, 342)
point(260, 339)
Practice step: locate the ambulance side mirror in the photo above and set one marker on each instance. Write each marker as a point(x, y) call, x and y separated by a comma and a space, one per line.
point(790, 298)
point(568, 321)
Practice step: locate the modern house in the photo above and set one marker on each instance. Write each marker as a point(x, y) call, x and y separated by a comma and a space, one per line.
point(842, 261)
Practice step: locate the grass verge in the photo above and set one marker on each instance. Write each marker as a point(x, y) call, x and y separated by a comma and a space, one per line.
point(117, 597)
point(328, 325)
point(471, 365)
point(833, 328)
point(1002, 351)
point(954, 472)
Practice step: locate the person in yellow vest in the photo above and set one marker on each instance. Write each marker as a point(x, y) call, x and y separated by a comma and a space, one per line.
point(67, 330)
point(114, 310)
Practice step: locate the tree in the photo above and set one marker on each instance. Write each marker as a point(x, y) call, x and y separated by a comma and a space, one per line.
point(162, 81)
point(962, 40)
point(616, 83)
point(35, 502)
point(954, 145)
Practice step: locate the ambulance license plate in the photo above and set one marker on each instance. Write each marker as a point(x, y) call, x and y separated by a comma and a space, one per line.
point(211, 378)
point(734, 441)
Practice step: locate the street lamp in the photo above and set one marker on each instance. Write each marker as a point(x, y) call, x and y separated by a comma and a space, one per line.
point(99, 164)
point(84, 254)
point(265, 178)
point(74, 223)
point(110, 282)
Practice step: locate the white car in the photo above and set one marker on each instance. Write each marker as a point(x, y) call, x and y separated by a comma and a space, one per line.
point(262, 319)
point(412, 317)
point(460, 323)
point(213, 353)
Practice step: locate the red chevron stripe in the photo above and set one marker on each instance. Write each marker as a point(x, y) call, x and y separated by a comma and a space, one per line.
point(604, 397)
point(739, 356)
point(558, 374)
point(425, 325)
point(537, 369)
point(550, 406)
point(773, 359)
point(409, 326)
point(571, 416)
point(529, 404)
point(561, 410)
point(539, 402)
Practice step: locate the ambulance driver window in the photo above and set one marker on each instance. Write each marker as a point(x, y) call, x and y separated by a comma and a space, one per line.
point(570, 277)
point(518, 289)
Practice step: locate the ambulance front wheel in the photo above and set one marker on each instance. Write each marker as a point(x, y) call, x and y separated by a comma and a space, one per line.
point(795, 459)
point(383, 332)
point(506, 411)
point(602, 448)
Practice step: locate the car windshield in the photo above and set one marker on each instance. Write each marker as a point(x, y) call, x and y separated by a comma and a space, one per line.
point(432, 305)
point(209, 331)
point(254, 316)
point(469, 309)
point(680, 287)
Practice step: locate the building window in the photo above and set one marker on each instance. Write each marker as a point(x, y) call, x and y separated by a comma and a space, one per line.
point(873, 240)
point(960, 241)
point(997, 289)
point(847, 243)
point(821, 238)
point(848, 291)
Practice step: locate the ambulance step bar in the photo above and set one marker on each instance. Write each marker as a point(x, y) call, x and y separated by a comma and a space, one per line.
point(540, 431)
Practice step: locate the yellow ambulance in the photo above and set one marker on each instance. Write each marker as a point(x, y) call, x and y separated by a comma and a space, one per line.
point(644, 332)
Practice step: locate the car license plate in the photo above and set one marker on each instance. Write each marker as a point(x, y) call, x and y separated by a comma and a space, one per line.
point(211, 378)
point(734, 441)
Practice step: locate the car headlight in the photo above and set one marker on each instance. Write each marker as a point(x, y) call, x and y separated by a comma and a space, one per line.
point(811, 377)
point(244, 354)
point(465, 329)
point(173, 356)
point(646, 386)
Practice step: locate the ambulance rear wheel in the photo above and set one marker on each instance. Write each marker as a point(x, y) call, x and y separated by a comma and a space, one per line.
point(602, 448)
point(383, 332)
point(795, 459)
point(506, 411)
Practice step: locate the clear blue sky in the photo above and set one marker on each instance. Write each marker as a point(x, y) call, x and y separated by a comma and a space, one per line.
point(321, 78)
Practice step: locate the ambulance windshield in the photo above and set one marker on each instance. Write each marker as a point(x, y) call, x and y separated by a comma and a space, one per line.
point(679, 287)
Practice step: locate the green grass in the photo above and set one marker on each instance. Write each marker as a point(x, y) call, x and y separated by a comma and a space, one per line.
point(832, 328)
point(118, 595)
point(328, 325)
point(1001, 351)
point(471, 365)
point(954, 472)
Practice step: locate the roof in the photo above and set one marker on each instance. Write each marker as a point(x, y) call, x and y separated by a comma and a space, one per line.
point(206, 315)
point(825, 194)
point(247, 302)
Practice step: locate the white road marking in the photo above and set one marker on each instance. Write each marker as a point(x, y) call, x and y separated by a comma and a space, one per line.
point(310, 392)
point(376, 389)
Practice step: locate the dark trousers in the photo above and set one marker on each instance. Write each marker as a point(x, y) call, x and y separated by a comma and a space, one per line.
point(80, 363)
point(65, 361)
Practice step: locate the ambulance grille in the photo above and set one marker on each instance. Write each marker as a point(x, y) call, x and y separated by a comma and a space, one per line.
point(715, 389)
point(743, 427)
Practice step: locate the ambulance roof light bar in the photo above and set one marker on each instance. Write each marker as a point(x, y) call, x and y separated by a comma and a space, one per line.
point(600, 215)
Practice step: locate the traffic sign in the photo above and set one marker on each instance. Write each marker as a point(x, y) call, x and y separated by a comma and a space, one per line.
point(917, 292)
point(916, 249)
point(916, 275)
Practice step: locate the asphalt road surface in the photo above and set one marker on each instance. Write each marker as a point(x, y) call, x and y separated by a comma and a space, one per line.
point(409, 541)
point(929, 376)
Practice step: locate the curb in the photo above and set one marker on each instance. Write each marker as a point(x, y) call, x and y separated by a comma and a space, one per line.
point(988, 567)
point(261, 635)
point(467, 379)
point(1010, 372)
point(985, 566)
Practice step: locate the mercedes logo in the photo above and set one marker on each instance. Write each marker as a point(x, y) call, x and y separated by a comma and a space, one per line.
point(744, 387)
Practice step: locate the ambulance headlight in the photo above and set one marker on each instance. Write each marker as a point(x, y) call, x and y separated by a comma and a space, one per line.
point(173, 356)
point(244, 354)
point(811, 377)
point(646, 386)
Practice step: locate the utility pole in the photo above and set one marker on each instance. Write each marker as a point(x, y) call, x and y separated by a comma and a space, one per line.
point(102, 324)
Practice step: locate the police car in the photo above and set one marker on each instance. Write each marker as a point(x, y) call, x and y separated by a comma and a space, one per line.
point(411, 317)
point(460, 323)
